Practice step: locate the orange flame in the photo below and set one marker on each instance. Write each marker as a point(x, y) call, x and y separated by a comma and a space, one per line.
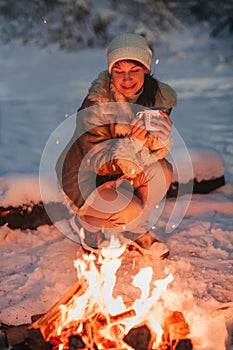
point(100, 276)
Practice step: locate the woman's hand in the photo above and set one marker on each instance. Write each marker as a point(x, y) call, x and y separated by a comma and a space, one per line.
point(163, 126)
point(138, 129)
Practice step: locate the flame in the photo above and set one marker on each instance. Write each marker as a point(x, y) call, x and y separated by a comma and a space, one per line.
point(111, 314)
point(114, 250)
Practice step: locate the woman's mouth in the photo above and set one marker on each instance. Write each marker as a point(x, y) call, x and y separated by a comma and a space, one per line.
point(128, 87)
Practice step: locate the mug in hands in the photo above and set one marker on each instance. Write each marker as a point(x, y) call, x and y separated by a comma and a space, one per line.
point(152, 117)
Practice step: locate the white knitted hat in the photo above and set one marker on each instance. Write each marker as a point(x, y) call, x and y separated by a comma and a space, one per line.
point(129, 47)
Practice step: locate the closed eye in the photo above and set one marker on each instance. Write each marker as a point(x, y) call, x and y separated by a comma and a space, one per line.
point(118, 71)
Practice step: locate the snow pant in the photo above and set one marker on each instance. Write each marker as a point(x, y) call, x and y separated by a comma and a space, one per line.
point(126, 204)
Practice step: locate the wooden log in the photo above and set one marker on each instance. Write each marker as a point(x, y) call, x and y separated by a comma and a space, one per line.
point(16, 334)
point(36, 341)
point(176, 326)
point(48, 322)
point(176, 332)
point(93, 329)
point(3, 339)
point(122, 316)
point(76, 343)
point(138, 337)
point(23, 337)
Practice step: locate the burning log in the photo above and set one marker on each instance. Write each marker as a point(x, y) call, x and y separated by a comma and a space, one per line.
point(48, 322)
point(108, 330)
point(176, 331)
point(93, 332)
point(176, 326)
point(123, 315)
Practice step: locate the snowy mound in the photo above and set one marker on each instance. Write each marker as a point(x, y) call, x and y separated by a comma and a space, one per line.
point(207, 165)
point(203, 173)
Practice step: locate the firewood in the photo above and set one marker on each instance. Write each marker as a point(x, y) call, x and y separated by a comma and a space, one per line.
point(48, 322)
point(75, 343)
point(91, 329)
point(122, 316)
point(176, 331)
point(184, 344)
point(176, 325)
point(16, 334)
point(139, 337)
point(36, 341)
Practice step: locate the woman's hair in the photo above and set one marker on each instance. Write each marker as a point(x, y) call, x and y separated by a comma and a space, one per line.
point(147, 97)
point(137, 63)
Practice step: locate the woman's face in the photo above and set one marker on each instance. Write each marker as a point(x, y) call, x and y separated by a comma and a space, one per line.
point(128, 77)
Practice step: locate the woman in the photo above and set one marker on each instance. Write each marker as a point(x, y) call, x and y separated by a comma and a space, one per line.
point(114, 172)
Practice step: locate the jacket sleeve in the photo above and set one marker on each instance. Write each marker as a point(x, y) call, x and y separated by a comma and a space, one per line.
point(159, 148)
point(97, 147)
point(67, 172)
point(84, 158)
point(98, 137)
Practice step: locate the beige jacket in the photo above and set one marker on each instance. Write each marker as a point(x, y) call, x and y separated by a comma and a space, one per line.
point(102, 147)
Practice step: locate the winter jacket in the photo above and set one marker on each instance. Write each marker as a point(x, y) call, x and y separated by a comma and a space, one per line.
point(101, 148)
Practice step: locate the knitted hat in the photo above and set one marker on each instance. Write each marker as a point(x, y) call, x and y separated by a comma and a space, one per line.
point(129, 47)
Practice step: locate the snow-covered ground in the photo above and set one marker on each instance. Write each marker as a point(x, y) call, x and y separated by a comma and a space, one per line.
point(38, 89)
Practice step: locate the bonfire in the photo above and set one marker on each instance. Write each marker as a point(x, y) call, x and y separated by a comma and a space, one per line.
point(90, 312)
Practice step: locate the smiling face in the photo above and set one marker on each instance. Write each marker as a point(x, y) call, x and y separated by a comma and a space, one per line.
point(128, 77)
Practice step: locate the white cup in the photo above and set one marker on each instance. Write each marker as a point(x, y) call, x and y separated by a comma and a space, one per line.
point(149, 114)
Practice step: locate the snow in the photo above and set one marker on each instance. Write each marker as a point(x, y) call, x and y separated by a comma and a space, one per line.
point(39, 89)
point(206, 164)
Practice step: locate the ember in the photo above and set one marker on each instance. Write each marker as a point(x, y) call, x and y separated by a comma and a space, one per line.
point(89, 311)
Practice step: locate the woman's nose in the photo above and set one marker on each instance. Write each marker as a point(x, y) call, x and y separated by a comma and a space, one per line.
point(127, 76)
